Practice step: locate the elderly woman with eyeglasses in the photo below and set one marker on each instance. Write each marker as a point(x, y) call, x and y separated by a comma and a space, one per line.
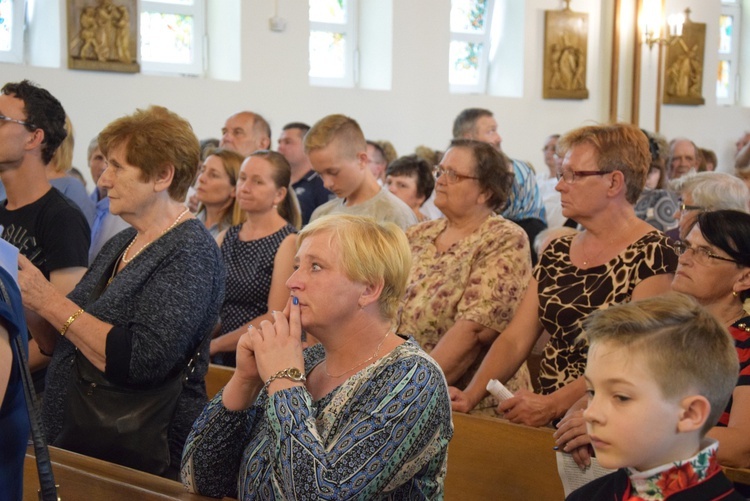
point(704, 191)
point(470, 268)
point(714, 268)
point(616, 258)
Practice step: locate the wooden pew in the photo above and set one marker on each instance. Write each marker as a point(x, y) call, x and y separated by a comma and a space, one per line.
point(216, 378)
point(738, 475)
point(493, 459)
point(86, 478)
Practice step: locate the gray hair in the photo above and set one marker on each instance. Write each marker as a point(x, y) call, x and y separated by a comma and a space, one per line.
point(465, 122)
point(93, 145)
point(714, 190)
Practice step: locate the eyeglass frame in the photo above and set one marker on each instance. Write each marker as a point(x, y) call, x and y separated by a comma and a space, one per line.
point(683, 207)
point(579, 173)
point(699, 250)
point(20, 122)
point(451, 176)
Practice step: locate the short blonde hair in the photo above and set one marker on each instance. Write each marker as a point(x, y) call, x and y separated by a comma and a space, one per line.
point(154, 138)
point(62, 160)
point(622, 147)
point(371, 252)
point(685, 347)
point(342, 129)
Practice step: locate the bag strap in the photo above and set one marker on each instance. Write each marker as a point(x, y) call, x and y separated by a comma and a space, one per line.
point(48, 488)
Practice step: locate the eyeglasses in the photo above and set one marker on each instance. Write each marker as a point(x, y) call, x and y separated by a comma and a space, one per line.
point(684, 207)
point(700, 254)
point(569, 176)
point(26, 124)
point(452, 176)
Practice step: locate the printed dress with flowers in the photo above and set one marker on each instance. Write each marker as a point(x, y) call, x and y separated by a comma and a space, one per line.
point(382, 434)
point(481, 278)
point(699, 478)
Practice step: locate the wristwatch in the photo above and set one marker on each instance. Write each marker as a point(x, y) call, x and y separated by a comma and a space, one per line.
point(291, 373)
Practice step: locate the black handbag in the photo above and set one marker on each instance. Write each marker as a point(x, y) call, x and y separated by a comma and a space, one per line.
point(123, 424)
point(127, 425)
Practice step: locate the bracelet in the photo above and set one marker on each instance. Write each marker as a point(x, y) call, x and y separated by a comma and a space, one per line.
point(292, 373)
point(70, 321)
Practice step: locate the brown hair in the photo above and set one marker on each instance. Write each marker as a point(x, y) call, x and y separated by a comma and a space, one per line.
point(492, 170)
point(231, 161)
point(282, 175)
point(619, 147)
point(155, 138)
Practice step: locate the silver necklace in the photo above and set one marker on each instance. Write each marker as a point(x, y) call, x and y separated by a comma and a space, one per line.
point(359, 364)
point(127, 249)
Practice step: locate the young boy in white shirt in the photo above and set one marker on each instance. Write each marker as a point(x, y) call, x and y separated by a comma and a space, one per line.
point(659, 373)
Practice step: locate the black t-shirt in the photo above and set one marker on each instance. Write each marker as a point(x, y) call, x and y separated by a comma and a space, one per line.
point(51, 232)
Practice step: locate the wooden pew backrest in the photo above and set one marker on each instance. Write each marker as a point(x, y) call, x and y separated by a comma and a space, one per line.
point(493, 459)
point(86, 478)
point(216, 378)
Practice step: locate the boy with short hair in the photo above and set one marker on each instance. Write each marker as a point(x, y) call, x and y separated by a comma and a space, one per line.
point(659, 374)
point(337, 151)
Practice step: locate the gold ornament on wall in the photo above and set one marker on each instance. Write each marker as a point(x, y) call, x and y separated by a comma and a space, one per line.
point(565, 54)
point(683, 68)
point(102, 35)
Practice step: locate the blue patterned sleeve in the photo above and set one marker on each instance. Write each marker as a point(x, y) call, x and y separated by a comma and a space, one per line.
point(213, 450)
point(391, 432)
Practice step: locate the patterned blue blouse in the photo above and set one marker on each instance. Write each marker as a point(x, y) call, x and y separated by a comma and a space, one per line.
point(382, 434)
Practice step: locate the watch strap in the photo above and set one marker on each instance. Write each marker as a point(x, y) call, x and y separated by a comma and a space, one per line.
point(291, 373)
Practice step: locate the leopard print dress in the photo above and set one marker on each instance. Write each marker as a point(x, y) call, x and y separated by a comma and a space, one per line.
point(567, 294)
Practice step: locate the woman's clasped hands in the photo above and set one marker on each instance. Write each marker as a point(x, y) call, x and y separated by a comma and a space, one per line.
point(271, 347)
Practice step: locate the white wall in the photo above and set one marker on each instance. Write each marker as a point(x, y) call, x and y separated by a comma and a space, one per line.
point(417, 110)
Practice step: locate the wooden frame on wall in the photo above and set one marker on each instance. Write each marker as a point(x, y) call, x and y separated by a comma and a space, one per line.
point(103, 35)
point(683, 68)
point(565, 54)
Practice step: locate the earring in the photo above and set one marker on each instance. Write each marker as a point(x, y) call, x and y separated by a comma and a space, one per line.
point(735, 294)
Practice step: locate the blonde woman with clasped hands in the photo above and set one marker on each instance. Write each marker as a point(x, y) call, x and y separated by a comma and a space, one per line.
point(363, 414)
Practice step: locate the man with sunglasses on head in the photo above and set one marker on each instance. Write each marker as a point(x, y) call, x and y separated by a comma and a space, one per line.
point(525, 206)
point(41, 222)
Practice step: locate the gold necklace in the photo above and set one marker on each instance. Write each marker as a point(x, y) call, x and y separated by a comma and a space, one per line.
point(171, 226)
point(586, 258)
point(359, 364)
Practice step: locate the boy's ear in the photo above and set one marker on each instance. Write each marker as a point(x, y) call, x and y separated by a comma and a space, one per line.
point(694, 413)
